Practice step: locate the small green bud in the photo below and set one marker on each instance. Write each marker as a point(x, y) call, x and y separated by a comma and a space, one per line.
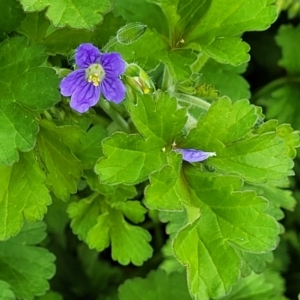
point(130, 33)
point(138, 79)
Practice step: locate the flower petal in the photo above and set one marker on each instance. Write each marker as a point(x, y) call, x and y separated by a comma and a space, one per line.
point(113, 89)
point(192, 155)
point(69, 84)
point(85, 96)
point(86, 54)
point(113, 64)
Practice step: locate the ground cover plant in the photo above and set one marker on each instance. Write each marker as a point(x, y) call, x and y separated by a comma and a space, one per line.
point(148, 149)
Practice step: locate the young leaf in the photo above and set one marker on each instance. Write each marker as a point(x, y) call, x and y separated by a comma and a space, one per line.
point(36, 89)
point(229, 219)
point(24, 266)
point(157, 285)
point(159, 118)
point(129, 243)
point(63, 169)
point(22, 194)
point(86, 15)
point(99, 221)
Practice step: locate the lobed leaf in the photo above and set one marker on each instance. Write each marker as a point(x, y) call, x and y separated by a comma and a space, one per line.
point(138, 156)
point(36, 90)
point(77, 14)
point(23, 194)
point(227, 130)
point(229, 219)
point(99, 221)
point(24, 266)
point(159, 118)
point(62, 168)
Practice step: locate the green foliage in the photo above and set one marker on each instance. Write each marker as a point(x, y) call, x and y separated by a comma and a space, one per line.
point(22, 194)
point(121, 166)
point(22, 64)
point(226, 79)
point(62, 176)
point(25, 267)
point(221, 228)
point(83, 14)
point(158, 284)
point(14, 16)
point(99, 220)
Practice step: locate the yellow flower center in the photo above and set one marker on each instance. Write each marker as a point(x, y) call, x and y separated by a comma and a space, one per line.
point(94, 74)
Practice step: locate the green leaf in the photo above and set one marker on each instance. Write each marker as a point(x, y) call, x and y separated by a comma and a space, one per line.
point(159, 118)
point(230, 50)
point(231, 18)
point(25, 266)
point(177, 60)
point(227, 130)
point(138, 156)
point(62, 168)
point(142, 11)
point(64, 40)
point(5, 291)
point(22, 194)
point(129, 243)
point(90, 148)
point(84, 215)
point(86, 14)
point(281, 99)
point(100, 221)
point(229, 219)
point(157, 285)
point(167, 189)
point(11, 17)
point(213, 26)
point(36, 89)
point(278, 198)
point(226, 79)
point(288, 39)
point(258, 286)
point(35, 27)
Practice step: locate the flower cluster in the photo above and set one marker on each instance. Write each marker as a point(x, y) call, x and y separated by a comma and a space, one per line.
point(96, 73)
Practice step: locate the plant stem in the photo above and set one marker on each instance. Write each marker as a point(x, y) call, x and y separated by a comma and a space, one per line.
point(189, 99)
point(114, 115)
point(167, 81)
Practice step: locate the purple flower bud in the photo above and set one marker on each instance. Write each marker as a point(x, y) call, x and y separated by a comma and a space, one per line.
point(192, 155)
point(97, 73)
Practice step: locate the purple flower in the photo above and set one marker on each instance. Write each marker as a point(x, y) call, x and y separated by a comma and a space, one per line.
point(96, 73)
point(192, 155)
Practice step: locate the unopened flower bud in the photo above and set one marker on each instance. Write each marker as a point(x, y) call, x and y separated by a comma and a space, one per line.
point(138, 79)
point(130, 33)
